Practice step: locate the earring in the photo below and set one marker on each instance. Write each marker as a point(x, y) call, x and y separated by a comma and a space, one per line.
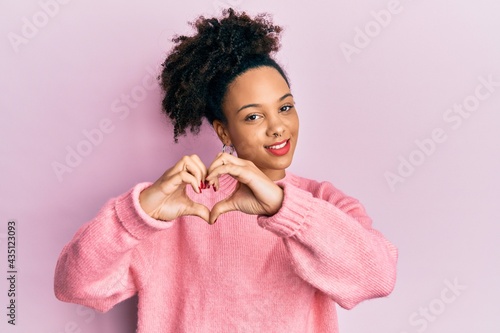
point(228, 149)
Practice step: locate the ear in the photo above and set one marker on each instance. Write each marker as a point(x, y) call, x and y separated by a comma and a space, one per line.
point(222, 132)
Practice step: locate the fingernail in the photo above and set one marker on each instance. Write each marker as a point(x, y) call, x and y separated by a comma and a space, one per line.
point(202, 185)
point(199, 189)
point(215, 189)
point(207, 184)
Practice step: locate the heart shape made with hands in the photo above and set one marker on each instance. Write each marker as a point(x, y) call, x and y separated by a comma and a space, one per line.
point(255, 193)
point(241, 198)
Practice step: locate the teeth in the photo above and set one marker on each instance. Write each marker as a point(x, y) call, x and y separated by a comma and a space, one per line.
point(278, 146)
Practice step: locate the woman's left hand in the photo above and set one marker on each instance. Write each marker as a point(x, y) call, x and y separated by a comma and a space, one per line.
point(255, 193)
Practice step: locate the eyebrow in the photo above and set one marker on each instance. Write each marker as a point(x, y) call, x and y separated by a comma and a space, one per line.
point(258, 105)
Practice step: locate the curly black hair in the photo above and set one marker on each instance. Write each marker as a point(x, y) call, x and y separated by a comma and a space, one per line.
point(198, 70)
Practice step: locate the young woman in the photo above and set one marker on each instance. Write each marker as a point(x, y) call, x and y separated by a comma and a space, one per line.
point(279, 251)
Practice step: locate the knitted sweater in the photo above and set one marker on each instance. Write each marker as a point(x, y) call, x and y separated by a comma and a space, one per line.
point(246, 273)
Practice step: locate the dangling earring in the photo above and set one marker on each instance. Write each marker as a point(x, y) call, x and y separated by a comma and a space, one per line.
point(228, 149)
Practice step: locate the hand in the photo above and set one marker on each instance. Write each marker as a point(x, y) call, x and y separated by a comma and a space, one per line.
point(255, 193)
point(166, 199)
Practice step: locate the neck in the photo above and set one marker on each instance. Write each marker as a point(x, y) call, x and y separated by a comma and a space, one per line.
point(275, 175)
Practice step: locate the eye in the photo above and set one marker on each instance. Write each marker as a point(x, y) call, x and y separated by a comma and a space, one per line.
point(252, 117)
point(285, 108)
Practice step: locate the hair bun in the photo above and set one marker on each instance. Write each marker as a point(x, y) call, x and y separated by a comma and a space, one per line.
point(238, 35)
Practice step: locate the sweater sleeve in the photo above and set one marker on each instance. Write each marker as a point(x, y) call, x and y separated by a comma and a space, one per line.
point(332, 244)
point(95, 268)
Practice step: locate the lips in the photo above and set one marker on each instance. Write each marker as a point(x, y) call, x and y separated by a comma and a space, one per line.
point(279, 148)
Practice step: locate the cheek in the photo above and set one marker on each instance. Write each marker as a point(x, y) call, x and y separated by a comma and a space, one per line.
point(297, 127)
point(297, 123)
point(247, 143)
point(293, 124)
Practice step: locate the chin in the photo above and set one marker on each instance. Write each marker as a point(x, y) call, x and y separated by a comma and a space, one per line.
point(282, 166)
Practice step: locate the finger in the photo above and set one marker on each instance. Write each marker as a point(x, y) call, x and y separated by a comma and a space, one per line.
point(214, 181)
point(220, 208)
point(213, 177)
point(178, 167)
point(242, 172)
point(231, 169)
point(199, 210)
point(194, 166)
point(223, 159)
point(191, 164)
point(224, 164)
point(200, 166)
point(179, 179)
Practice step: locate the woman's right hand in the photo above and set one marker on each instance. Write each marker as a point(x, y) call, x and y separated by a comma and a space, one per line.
point(166, 199)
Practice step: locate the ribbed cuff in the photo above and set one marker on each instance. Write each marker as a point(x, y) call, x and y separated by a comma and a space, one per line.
point(292, 214)
point(134, 218)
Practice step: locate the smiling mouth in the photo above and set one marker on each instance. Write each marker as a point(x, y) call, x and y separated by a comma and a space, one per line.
point(278, 146)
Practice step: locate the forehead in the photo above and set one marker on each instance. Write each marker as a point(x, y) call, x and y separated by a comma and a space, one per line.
point(257, 85)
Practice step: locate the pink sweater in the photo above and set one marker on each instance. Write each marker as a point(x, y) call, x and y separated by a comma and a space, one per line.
point(246, 273)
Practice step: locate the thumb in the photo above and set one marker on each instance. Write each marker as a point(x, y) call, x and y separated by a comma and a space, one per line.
point(220, 208)
point(199, 210)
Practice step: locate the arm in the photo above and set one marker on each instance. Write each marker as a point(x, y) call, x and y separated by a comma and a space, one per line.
point(96, 268)
point(332, 244)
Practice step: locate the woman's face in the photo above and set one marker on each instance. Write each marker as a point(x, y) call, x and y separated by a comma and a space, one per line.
point(262, 122)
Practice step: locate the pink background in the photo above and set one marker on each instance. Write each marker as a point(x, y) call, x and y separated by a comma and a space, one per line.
point(361, 115)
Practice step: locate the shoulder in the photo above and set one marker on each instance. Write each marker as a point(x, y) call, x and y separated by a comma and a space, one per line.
point(307, 184)
point(319, 189)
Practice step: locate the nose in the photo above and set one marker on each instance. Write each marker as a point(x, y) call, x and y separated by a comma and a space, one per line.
point(275, 126)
